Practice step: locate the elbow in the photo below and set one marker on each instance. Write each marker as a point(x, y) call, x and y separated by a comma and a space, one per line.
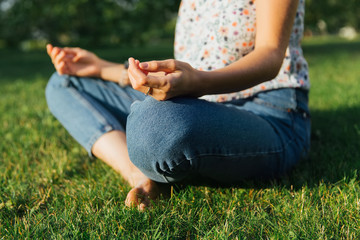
point(273, 71)
point(276, 59)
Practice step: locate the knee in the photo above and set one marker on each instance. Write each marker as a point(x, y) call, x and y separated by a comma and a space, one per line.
point(56, 82)
point(159, 126)
point(157, 139)
point(56, 89)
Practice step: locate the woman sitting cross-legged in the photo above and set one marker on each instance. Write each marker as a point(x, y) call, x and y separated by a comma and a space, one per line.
point(231, 106)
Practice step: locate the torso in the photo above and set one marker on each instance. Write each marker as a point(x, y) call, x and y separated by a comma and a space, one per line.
point(211, 34)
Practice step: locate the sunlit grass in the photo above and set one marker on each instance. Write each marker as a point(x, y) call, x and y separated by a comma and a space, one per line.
point(50, 188)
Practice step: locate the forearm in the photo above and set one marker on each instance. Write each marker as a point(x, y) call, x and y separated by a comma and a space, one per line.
point(274, 21)
point(258, 66)
point(113, 72)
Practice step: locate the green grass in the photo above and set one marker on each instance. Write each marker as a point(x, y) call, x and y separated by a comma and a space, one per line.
point(50, 189)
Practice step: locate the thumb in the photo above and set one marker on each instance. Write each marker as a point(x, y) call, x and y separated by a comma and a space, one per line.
point(77, 56)
point(167, 66)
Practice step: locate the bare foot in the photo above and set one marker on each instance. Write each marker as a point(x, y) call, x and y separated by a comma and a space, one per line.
point(146, 192)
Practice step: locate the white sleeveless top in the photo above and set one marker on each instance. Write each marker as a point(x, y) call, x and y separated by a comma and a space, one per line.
point(211, 34)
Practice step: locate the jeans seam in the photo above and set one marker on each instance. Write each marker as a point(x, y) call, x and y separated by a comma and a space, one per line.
point(252, 154)
point(165, 178)
point(106, 126)
point(95, 137)
point(89, 106)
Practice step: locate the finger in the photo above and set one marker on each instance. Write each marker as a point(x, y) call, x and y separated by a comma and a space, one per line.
point(137, 86)
point(60, 68)
point(158, 94)
point(77, 56)
point(68, 49)
point(139, 79)
point(54, 52)
point(59, 57)
point(136, 77)
point(156, 81)
point(72, 50)
point(143, 206)
point(169, 65)
point(137, 62)
point(49, 47)
point(135, 72)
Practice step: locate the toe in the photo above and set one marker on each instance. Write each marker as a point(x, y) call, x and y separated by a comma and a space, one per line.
point(133, 198)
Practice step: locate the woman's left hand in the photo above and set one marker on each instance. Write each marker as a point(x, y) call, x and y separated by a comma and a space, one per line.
point(164, 79)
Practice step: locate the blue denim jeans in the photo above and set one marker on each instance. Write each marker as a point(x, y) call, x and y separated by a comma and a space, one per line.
point(188, 138)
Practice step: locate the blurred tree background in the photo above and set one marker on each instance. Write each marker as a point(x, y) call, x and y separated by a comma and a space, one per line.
point(86, 22)
point(28, 23)
point(335, 14)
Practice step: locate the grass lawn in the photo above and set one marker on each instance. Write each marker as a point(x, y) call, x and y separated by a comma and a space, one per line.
point(49, 188)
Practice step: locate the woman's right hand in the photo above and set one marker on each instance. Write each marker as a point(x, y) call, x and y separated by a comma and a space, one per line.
point(75, 61)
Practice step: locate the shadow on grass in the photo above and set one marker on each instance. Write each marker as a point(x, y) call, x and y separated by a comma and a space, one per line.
point(335, 148)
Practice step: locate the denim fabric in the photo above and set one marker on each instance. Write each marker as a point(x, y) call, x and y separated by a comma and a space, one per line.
point(89, 107)
point(187, 138)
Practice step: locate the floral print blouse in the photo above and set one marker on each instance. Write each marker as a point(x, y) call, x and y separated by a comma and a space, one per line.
point(211, 34)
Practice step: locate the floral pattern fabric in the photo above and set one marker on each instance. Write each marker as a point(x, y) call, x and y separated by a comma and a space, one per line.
point(211, 34)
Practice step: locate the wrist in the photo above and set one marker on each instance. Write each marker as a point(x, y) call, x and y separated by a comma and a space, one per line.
point(114, 72)
point(201, 83)
point(124, 78)
point(103, 68)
